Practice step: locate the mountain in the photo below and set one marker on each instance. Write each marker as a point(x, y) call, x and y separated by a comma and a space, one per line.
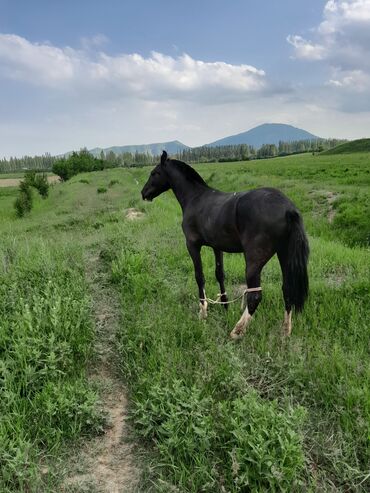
point(268, 133)
point(154, 149)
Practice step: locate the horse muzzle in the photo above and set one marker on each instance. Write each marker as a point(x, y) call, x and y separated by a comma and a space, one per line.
point(146, 195)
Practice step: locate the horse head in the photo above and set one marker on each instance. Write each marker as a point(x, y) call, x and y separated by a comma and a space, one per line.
point(158, 180)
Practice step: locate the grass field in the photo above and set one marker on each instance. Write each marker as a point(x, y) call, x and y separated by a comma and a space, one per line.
point(265, 414)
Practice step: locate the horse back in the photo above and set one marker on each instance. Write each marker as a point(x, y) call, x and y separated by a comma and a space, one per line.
point(263, 212)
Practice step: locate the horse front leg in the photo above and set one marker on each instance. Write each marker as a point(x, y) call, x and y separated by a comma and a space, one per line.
point(194, 251)
point(220, 276)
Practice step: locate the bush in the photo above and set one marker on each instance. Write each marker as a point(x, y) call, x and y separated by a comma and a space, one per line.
point(23, 202)
point(38, 181)
point(79, 162)
point(101, 190)
point(42, 185)
point(62, 169)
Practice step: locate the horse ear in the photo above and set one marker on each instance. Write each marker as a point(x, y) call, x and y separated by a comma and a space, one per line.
point(164, 158)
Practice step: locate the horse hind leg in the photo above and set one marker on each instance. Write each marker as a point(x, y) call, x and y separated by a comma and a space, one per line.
point(287, 323)
point(254, 296)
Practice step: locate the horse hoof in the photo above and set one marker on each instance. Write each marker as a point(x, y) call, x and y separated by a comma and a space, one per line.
point(287, 324)
point(286, 331)
point(202, 311)
point(237, 333)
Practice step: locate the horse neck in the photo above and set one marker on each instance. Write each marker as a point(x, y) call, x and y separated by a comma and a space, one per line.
point(185, 190)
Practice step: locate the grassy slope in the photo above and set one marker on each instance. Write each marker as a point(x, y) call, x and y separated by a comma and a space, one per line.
point(265, 412)
point(359, 145)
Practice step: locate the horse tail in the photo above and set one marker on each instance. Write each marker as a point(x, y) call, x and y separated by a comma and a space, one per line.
point(296, 276)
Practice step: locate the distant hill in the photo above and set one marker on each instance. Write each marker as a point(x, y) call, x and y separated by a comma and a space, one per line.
point(171, 147)
point(268, 133)
point(359, 145)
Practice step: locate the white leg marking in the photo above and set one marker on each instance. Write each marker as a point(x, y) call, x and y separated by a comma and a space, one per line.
point(239, 329)
point(287, 325)
point(203, 308)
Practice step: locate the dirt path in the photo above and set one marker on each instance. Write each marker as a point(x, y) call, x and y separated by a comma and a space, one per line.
point(106, 463)
point(14, 182)
point(331, 198)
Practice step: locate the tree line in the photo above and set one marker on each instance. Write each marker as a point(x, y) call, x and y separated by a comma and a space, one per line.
point(241, 152)
point(245, 152)
point(37, 163)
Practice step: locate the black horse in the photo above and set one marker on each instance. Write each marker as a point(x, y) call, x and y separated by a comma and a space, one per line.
point(258, 223)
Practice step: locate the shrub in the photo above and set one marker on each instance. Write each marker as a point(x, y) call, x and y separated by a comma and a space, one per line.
point(23, 202)
point(38, 181)
point(62, 169)
point(79, 162)
point(42, 185)
point(101, 190)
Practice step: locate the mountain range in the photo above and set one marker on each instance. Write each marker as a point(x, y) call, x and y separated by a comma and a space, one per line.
point(171, 147)
point(268, 133)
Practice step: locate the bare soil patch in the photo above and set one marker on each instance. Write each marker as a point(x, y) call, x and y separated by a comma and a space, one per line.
point(14, 182)
point(325, 208)
point(331, 198)
point(132, 214)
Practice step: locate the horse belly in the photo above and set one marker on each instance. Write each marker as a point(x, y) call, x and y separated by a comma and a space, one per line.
point(224, 237)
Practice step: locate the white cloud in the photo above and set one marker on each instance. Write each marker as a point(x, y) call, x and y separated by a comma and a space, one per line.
point(157, 77)
point(356, 80)
point(342, 38)
point(306, 49)
point(338, 12)
point(37, 63)
point(342, 44)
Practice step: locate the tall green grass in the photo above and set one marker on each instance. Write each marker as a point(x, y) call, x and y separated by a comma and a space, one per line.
point(45, 341)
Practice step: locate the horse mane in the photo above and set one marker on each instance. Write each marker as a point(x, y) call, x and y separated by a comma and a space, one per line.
point(188, 171)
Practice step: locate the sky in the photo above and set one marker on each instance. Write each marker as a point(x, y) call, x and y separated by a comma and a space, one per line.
point(93, 73)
